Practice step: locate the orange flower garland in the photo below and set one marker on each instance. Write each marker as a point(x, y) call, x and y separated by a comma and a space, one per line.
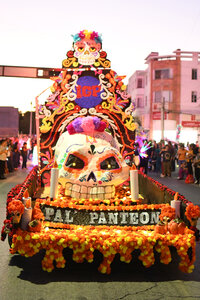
point(192, 212)
point(84, 240)
point(90, 204)
point(167, 212)
point(15, 206)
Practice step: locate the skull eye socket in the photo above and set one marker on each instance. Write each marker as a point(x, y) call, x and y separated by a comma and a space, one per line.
point(80, 49)
point(109, 163)
point(74, 162)
point(15, 214)
point(92, 49)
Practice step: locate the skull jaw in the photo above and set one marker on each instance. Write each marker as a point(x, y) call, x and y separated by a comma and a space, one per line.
point(100, 190)
point(77, 191)
point(86, 60)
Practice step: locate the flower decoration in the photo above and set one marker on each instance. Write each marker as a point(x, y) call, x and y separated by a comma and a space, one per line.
point(167, 212)
point(84, 240)
point(192, 212)
point(85, 34)
point(86, 125)
point(16, 209)
point(15, 206)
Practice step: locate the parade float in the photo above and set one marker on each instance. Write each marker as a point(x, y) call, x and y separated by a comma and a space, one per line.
point(86, 193)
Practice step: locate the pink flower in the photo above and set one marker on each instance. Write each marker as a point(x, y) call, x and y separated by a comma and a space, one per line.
point(81, 34)
point(94, 35)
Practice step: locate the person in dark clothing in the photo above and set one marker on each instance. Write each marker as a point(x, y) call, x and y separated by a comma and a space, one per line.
point(10, 156)
point(173, 154)
point(158, 158)
point(24, 154)
point(3, 156)
point(16, 156)
point(153, 156)
point(197, 167)
point(167, 156)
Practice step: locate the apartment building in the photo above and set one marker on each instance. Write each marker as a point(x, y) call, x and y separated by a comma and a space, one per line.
point(167, 94)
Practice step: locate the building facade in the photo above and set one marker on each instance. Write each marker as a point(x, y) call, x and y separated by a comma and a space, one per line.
point(167, 96)
point(9, 121)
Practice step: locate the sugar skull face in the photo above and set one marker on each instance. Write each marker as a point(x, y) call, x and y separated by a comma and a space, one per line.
point(87, 51)
point(16, 217)
point(89, 167)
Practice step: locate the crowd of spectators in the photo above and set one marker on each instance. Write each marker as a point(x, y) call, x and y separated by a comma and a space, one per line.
point(166, 157)
point(163, 158)
point(14, 153)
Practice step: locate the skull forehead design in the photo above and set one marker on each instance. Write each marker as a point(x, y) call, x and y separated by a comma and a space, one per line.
point(87, 51)
point(90, 167)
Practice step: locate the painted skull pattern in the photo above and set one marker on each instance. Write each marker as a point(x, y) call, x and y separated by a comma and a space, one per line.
point(89, 167)
point(87, 51)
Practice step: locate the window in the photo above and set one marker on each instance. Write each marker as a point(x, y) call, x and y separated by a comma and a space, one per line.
point(157, 97)
point(194, 73)
point(167, 96)
point(163, 74)
point(140, 102)
point(139, 83)
point(194, 97)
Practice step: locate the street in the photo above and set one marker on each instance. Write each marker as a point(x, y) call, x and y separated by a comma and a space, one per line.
point(23, 278)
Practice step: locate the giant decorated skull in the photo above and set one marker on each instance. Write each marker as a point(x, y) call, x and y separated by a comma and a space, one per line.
point(90, 166)
point(87, 51)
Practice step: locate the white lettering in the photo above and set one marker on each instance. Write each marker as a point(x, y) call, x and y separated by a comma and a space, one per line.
point(49, 212)
point(144, 217)
point(155, 217)
point(93, 217)
point(68, 218)
point(124, 216)
point(58, 216)
point(102, 219)
point(112, 218)
point(134, 218)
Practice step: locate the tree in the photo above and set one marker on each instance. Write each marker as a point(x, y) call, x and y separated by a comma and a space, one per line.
point(24, 123)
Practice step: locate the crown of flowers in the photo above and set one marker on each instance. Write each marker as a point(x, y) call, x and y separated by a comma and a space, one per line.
point(86, 125)
point(92, 35)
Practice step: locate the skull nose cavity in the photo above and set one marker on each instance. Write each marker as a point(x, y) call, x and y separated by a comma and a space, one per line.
point(92, 176)
point(86, 52)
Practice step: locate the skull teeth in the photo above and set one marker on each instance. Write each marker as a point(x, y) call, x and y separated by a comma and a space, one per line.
point(87, 60)
point(84, 192)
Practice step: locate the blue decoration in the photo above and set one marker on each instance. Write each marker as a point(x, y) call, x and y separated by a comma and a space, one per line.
point(88, 92)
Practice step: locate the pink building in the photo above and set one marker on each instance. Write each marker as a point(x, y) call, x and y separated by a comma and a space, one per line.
point(167, 94)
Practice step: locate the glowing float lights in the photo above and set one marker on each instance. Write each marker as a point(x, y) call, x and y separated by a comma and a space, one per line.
point(144, 148)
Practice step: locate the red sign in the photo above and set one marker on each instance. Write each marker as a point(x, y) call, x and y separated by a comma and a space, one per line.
point(87, 91)
point(190, 124)
point(157, 115)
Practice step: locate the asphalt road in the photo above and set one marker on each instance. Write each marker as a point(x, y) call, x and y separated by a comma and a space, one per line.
point(23, 278)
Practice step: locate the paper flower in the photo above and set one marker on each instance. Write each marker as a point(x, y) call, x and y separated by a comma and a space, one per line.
point(86, 125)
point(192, 212)
point(167, 212)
